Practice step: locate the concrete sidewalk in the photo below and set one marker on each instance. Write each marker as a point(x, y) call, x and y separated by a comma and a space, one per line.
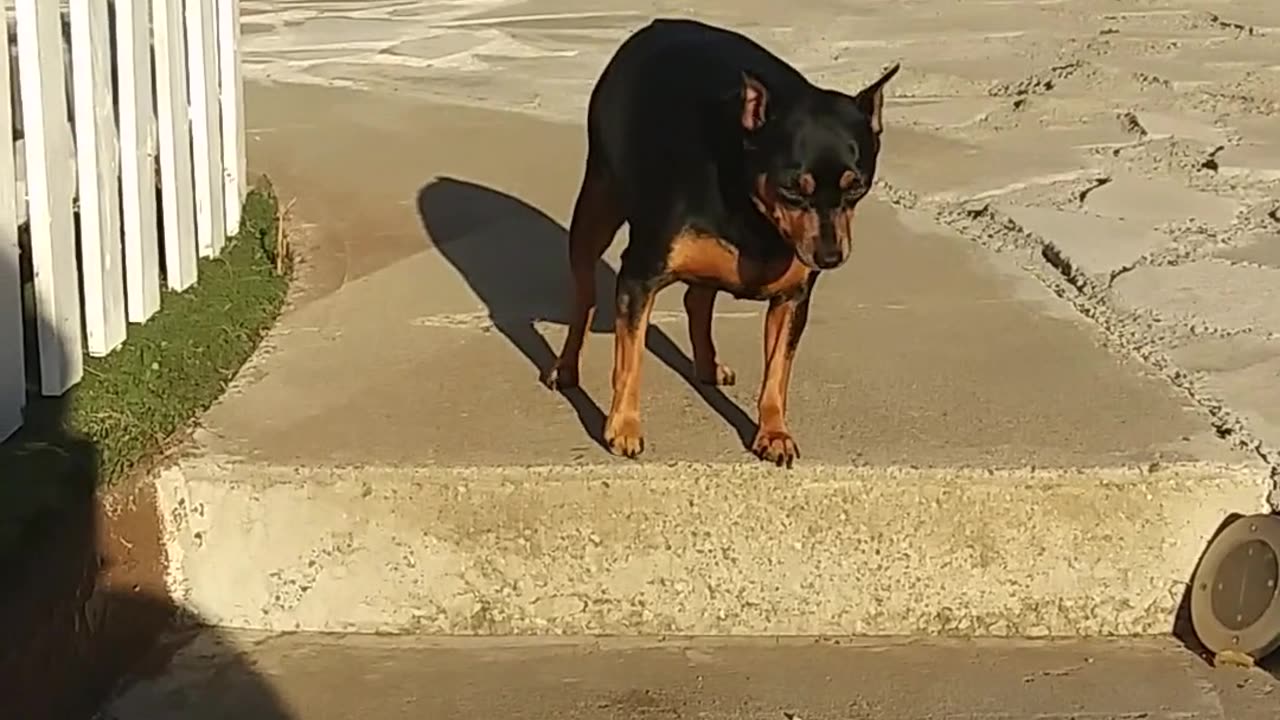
point(239, 675)
point(997, 436)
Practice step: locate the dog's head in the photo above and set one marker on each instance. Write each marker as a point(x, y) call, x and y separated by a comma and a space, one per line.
point(810, 160)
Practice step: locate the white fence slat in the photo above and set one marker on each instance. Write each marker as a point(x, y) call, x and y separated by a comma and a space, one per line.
point(98, 168)
point(176, 179)
point(50, 188)
point(137, 159)
point(235, 171)
point(206, 130)
point(13, 377)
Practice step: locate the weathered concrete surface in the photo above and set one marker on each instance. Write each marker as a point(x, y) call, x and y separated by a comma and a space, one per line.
point(1221, 294)
point(1255, 249)
point(701, 549)
point(306, 677)
point(1244, 370)
point(1075, 236)
point(1158, 201)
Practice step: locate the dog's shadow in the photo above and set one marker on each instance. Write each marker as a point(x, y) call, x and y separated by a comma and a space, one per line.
point(515, 258)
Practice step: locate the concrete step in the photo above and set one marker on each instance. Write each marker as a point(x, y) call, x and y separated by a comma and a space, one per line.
point(694, 548)
point(309, 677)
point(975, 459)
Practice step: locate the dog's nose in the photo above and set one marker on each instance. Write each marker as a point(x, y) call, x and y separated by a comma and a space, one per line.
point(827, 258)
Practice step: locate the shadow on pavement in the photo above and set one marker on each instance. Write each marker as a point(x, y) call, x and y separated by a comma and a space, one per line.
point(83, 603)
point(515, 258)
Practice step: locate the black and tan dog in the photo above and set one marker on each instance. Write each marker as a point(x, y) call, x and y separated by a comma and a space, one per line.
point(736, 174)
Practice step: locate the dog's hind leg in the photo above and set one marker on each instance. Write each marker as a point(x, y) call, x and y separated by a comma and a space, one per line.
point(597, 215)
point(699, 305)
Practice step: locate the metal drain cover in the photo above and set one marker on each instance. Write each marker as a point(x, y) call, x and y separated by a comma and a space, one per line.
point(1235, 594)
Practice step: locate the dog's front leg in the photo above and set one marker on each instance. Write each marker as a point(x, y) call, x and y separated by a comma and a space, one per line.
point(622, 433)
point(783, 325)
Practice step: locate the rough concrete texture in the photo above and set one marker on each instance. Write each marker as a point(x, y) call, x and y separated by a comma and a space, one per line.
point(1075, 236)
point(1156, 202)
point(306, 677)
point(435, 150)
point(1226, 297)
point(1256, 249)
point(701, 549)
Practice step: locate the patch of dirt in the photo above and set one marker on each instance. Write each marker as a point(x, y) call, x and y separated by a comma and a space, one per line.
point(85, 605)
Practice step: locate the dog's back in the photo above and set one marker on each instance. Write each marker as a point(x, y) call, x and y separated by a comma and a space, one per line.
point(666, 100)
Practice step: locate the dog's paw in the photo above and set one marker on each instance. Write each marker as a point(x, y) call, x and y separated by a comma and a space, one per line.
point(721, 375)
point(775, 446)
point(558, 377)
point(623, 437)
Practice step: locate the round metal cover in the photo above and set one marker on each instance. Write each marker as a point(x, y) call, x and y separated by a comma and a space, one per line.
point(1235, 594)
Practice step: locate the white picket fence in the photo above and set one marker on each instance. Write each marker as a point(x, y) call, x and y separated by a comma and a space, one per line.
point(111, 100)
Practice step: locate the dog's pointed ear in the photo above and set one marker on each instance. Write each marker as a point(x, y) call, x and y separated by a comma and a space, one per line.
point(755, 102)
point(871, 99)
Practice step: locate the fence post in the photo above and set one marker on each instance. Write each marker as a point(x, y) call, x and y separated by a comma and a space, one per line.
point(233, 140)
point(137, 159)
point(50, 187)
point(13, 377)
point(101, 261)
point(206, 131)
point(176, 182)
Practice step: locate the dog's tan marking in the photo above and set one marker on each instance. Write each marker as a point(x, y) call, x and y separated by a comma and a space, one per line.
point(622, 432)
point(698, 258)
point(798, 226)
point(782, 325)
point(807, 183)
point(699, 304)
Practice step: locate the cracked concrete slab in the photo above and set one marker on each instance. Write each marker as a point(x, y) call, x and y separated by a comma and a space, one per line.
point(1256, 249)
point(1257, 155)
point(1202, 130)
point(940, 166)
point(1226, 296)
point(1156, 201)
point(1242, 370)
point(222, 675)
point(1093, 244)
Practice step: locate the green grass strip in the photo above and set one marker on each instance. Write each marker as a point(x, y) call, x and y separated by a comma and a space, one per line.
point(131, 402)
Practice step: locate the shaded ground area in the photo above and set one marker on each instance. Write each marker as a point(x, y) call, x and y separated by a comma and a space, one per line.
point(82, 593)
point(131, 402)
point(327, 677)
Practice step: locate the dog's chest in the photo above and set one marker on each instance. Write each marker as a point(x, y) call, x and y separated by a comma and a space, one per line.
point(702, 259)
